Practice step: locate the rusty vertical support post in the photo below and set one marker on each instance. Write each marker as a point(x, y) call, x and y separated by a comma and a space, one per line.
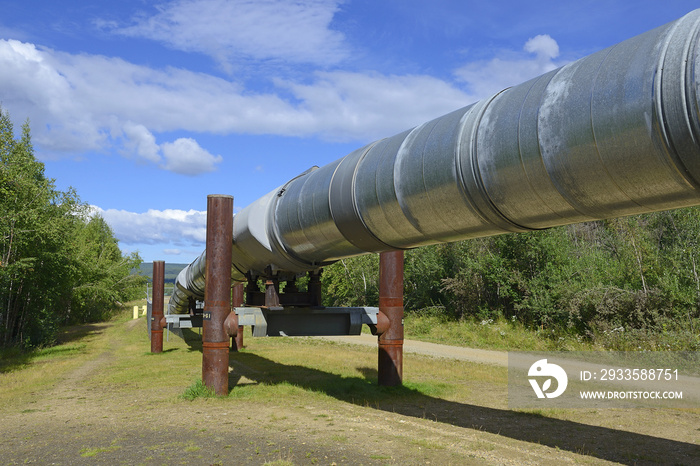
point(236, 301)
point(217, 293)
point(157, 306)
point(390, 363)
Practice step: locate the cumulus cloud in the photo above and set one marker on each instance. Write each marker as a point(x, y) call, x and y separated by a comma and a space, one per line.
point(543, 46)
point(230, 30)
point(486, 77)
point(80, 103)
point(350, 105)
point(140, 142)
point(64, 96)
point(30, 82)
point(185, 156)
point(181, 228)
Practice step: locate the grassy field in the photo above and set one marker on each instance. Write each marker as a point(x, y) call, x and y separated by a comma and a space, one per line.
point(100, 396)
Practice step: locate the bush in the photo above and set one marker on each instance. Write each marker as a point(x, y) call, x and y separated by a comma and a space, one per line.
point(638, 273)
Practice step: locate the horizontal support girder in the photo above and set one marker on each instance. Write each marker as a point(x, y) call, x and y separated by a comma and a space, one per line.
point(292, 321)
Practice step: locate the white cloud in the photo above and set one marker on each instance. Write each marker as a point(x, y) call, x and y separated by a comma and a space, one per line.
point(367, 106)
point(141, 142)
point(543, 46)
point(79, 103)
point(87, 103)
point(186, 157)
point(486, 77)
point(29, 80)
point(230, 30)
point(171, 226)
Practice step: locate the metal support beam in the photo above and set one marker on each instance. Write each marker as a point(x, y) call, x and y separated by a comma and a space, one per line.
point(390, 362)
point(292, 321)
point(272, 292)
point(315, 296)
point(217, 293)
point(306, 321)
point(157, 307)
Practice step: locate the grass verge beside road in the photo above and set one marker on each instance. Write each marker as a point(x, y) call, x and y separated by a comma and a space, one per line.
point(511, 334)
point(497, 334)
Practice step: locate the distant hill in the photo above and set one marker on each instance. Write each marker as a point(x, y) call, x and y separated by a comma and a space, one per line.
point(171, 271)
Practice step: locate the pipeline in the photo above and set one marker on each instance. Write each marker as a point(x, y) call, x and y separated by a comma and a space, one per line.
point(612, 134)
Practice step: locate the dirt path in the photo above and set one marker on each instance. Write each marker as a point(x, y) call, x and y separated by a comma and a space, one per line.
point(76, 423)
point(83, 421)
point(480, 356)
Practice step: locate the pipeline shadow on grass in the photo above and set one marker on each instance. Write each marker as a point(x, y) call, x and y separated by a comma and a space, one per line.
point(600, 442)
point(80, 331)
point(165, 351)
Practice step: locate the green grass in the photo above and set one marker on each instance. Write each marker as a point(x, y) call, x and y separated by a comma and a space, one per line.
point(197, 390)
point(12, 359)
point(496, 334)
point(268, 368)
point(511, 335)
point(25, 373)
point(92, 452)
point(279, 368)
point(311, 379)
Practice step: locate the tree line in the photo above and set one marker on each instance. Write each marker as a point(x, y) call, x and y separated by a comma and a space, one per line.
point(59, 263)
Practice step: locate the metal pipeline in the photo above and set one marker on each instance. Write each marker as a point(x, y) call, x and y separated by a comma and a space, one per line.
point(612, 134)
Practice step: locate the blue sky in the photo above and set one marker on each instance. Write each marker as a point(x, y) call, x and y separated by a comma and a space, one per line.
point(145, 107)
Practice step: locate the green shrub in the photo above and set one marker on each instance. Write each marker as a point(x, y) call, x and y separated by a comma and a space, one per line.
point(197, 390)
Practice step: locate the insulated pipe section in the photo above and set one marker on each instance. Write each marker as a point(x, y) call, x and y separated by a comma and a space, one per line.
point(612, 134)
point(188, 284)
